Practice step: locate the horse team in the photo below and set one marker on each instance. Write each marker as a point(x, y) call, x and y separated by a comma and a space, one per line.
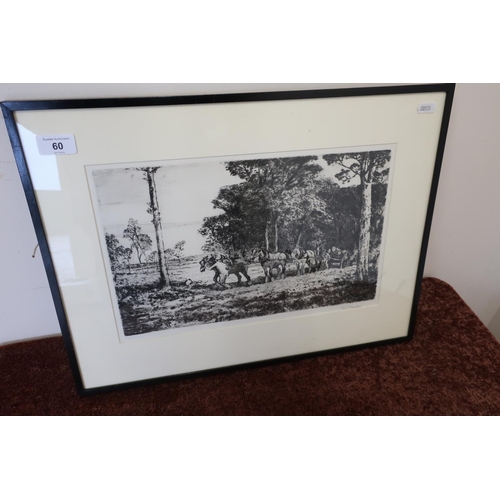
point(275, 265)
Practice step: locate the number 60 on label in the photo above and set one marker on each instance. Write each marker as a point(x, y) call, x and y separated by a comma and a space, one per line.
point(60, 144)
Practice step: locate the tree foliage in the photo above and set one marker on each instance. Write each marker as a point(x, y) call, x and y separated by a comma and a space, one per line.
point(119, 256)
point(267, 194)
point(176, 252)
point(139, 241)
point(283, 203)
point(369, 166)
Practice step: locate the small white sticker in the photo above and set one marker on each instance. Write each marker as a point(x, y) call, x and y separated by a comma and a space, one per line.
point(57, 144)
point(427, 107)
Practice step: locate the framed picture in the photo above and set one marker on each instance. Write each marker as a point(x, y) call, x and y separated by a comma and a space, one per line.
point(189, 234)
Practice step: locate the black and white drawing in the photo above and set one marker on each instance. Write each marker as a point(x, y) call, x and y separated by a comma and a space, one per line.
point(204, 241)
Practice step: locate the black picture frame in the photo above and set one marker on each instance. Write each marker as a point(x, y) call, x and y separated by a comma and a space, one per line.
point(12, 109)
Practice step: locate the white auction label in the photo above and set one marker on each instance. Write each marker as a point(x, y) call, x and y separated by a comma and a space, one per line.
point(57, 144)
point(428, 107)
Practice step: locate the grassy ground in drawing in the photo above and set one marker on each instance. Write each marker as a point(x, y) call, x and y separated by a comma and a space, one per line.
point(145, 308)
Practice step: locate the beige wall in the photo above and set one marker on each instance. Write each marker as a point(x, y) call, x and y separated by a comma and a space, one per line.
point(464, 248)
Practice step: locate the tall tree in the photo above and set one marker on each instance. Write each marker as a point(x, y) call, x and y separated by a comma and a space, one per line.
point(269, 179)
point(154, 210)
point(140, 241)
point(369, 167)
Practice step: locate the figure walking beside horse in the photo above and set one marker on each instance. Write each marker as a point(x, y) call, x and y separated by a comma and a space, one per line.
point(223, 267)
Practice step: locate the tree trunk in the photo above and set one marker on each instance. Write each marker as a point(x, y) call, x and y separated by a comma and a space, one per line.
point(364, 236)
point(266, 235)
point(299, 237)
point(155, 212)
point(138, 251)
point(276, 235)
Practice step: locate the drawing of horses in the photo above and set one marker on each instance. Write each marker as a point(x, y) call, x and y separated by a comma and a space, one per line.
point(224, 268)
point(272, 263)
point(262, 253)
point(299, 253)
point(294, 262)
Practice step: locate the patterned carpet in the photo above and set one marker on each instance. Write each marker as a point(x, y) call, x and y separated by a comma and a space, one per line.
point(451, 367)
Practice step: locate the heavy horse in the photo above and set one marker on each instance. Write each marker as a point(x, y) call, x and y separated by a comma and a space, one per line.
point(272, 263)
point(223, 267)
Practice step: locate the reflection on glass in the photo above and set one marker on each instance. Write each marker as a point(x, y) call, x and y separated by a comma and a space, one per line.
point(43, 169)
point(62, 255)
